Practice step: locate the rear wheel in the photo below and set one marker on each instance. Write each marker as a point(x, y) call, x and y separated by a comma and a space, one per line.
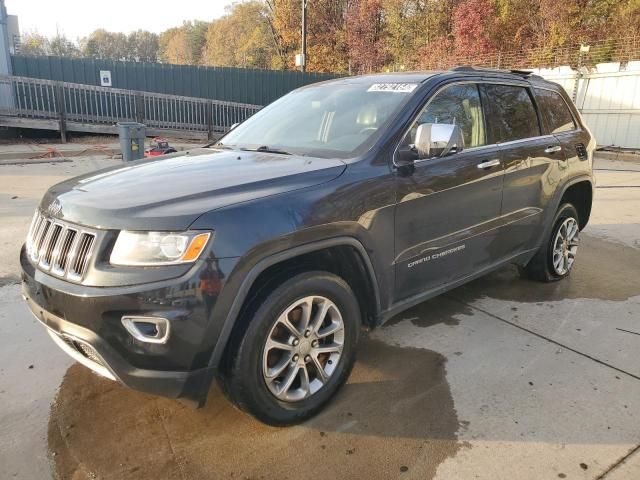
point(557, 255)
point(297, 351)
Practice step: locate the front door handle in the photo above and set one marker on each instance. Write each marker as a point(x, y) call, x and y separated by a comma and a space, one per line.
point(553, 149)
point(489, 164)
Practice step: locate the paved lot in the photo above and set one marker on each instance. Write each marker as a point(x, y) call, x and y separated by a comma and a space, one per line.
point(499, 379)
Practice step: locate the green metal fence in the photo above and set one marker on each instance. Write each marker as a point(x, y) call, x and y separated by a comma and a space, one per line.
point(46, 104)
point(258, 87)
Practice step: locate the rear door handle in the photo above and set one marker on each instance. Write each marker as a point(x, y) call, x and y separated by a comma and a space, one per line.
point(489, 164)
point(553, 149)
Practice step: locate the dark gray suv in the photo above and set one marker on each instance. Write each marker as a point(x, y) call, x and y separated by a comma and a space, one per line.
point(256, 260)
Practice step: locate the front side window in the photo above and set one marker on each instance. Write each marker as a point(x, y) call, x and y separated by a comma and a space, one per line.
point(456, 105)
point(513, 114)
point(556, 111)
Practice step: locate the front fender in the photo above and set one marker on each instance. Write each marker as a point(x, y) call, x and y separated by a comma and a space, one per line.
point(242, 279)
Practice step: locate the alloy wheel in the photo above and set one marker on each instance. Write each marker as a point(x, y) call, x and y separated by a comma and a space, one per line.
point(565, 246)
point(303, 348)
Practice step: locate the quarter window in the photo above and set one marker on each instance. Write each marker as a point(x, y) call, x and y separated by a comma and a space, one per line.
point(514, 116)
point(457, 105)
point(557, 112)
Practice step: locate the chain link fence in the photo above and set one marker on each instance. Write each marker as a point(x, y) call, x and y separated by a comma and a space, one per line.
point(575, 55)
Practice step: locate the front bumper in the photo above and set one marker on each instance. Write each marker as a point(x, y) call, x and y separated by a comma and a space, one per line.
point(85, 322)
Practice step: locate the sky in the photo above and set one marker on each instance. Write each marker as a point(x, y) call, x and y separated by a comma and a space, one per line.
point(78, 18)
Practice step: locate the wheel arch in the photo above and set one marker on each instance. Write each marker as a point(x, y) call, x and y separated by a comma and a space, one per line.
point(264, 274)
point(580, 195)
point(559, 197)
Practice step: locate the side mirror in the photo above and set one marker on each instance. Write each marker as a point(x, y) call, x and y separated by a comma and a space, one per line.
point(438, 140)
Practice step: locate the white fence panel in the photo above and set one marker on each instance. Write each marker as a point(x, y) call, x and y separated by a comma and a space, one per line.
point(608, 98)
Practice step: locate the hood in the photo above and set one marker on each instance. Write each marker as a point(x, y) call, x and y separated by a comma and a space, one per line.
point(170, 193)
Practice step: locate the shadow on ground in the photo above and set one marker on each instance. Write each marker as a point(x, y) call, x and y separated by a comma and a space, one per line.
point(395, 414)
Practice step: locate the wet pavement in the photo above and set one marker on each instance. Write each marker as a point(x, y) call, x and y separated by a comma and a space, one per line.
point(500, 378)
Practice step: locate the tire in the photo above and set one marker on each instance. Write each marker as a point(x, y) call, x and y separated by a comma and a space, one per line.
point(546, 265)
point(249, 381)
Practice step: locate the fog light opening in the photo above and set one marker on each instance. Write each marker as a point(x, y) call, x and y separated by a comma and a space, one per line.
point(147, 329)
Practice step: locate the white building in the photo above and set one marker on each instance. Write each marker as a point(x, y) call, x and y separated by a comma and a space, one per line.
point(13, 29)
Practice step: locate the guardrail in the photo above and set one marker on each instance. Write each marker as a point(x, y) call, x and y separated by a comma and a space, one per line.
point(35, 103)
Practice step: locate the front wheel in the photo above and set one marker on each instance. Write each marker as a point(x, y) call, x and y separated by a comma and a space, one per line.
point(297, 351)
point(557, 255)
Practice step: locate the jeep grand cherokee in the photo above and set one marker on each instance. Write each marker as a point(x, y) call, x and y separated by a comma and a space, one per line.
point(256, 260)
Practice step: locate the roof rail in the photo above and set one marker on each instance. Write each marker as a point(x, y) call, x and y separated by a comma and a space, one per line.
point(469, 68)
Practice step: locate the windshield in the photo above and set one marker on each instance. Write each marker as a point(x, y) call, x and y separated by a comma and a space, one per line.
point(331, 120)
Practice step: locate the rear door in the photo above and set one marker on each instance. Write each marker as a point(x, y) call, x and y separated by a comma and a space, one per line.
point(533, 164)
point(446, 207)
point(559, 121)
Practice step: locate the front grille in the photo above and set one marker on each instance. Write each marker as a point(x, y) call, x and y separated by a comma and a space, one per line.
point(60, 248)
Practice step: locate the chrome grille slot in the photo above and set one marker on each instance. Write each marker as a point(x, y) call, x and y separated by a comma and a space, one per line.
point(32, 228)
point(50, 245)
point(60, 248)
point(82, 255)
point(62, 256)
point(39, 237)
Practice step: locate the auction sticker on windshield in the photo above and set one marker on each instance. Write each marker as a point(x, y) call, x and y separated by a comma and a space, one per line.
point(393, 87)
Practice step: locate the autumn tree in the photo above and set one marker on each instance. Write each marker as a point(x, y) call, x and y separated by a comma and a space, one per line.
point(327, 49)
point(241, 38)
point(413, 26)
point(143, 46)
point(104, 44)
point(61, 46)
point(627, 22)
point(34, 44)
point(183, 45)
point(327, 36)
point(174, 47)
point(473, 23)
point(285, 19)
point(526, 24)
point(196, 32)
point(365, 35)
point(354, 36)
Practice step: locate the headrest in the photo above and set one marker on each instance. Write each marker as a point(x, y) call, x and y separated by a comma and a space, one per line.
point(367, 116)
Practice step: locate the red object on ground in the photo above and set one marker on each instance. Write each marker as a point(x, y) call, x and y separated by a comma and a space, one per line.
point(159, 146)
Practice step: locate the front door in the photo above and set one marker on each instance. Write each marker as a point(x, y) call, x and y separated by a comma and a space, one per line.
point(447, 207)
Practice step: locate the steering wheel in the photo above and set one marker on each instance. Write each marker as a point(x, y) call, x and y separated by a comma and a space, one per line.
point(366, 129)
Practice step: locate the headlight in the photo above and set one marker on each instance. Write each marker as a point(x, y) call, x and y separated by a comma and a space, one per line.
point(158, 248)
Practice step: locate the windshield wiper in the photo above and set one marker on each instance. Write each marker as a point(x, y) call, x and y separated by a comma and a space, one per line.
point(266, 149)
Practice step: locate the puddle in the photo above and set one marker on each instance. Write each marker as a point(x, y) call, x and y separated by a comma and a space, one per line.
point(395, 415)
point(603, 271)
point(438, 310)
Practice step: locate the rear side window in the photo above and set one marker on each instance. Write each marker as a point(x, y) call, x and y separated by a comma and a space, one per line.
point(513, 114)
point(555, 110)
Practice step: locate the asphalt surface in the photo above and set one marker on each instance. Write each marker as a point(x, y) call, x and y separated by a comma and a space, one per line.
point(499, 379)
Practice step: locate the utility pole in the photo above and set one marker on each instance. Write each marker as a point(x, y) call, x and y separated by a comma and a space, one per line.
point(579, 74)
point(303, 63)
